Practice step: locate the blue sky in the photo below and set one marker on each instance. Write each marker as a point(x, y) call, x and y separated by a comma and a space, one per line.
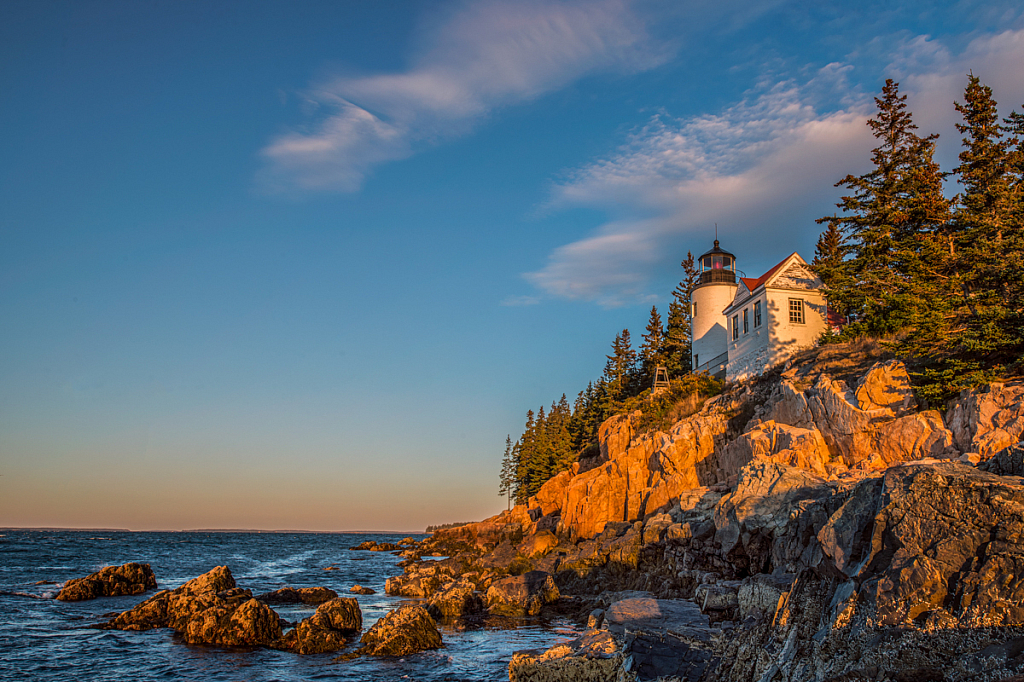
point(305, 265)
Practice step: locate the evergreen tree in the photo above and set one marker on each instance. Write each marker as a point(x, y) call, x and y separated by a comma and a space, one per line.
point(829, 262)
point(651, 352)
point(620, 369)
point(507, 478)
point(539, 464)
point(982, 331)
point(561, 439)
point(890, 227)
point(525, 449)
point(678, 343)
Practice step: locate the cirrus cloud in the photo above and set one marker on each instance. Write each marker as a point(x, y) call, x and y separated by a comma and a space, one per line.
point(487, 55)
point(760, 167)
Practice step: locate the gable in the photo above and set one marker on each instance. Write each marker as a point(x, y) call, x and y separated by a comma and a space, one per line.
point(797, 276)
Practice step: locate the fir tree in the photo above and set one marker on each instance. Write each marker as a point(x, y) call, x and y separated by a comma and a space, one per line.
point(983, 261)
point(507, 478)
point(620, 369)
point(678, 342)
point(829, 262)
point(651, 350)
point(539, 463)
point(890, 226)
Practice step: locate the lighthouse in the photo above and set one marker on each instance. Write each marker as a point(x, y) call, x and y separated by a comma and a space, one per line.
point(714, 292)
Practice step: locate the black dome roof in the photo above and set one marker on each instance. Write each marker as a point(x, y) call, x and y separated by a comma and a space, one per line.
point(717, 251)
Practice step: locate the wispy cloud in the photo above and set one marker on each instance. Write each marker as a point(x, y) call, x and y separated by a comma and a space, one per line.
point(486, 55)
point(752, 167)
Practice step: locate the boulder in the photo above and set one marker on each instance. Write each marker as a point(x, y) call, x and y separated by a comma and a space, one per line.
point(788, 405)
point(302, 595)
point(1006, 462)
point(654, 615)
point(667, 638)
point(406, 630)
point(359, 589)
point(374, 546)
point(235, 620)
point(455, 599)
point(174, 608)
point(942, 540)
point(759, 510)
point(112, 581)
point(537, 544)
point(655, 527)
point(592, 657)
point(328, 629)
point(522, 595)
point(886, 386)
point(912, 437)
point(988, 419)
point(789, 445)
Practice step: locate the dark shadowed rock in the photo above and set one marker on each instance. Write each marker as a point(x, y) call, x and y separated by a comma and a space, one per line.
point(404, 631)
point(522, 595)
point(1007, 462)
point(302, 595)
point(112, 581)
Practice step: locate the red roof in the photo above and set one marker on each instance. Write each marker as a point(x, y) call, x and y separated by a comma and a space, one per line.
point(752, 283)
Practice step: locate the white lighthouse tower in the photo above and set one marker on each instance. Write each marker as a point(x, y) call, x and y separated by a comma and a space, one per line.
point(714, 292)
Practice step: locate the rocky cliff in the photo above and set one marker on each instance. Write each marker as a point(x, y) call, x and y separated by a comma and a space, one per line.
point(822, 524)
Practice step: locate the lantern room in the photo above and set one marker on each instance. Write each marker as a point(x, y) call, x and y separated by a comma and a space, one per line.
point(717, 266)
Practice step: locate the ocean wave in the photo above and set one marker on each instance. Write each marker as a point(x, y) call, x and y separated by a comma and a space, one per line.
point(12, 593)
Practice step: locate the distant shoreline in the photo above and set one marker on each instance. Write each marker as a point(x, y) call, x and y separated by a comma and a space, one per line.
point(219, 530)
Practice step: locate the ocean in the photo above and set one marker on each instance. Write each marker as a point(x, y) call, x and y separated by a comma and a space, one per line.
point(45, 639)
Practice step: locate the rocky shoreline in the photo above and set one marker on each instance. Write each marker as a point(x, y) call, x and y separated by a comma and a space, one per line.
point(812, 525)
point(816, 524)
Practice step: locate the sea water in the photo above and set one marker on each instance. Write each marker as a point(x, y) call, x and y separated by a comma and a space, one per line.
point(45, 639)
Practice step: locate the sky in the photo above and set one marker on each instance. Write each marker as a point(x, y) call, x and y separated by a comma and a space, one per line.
point(287, 265)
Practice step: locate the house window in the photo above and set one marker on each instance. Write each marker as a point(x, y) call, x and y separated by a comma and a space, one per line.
point(694, 314)
point(796, 310)
point(757, 314)
point(746, 322)
point(735, 327)
point(696, 361)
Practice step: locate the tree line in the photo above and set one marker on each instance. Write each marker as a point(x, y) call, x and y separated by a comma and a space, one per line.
point(942, 278)
point(555, 437)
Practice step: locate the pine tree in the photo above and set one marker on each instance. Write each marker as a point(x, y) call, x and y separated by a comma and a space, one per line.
point(560, 436)
point(829, 263)
point(983, 262)
point(507, 478)
point(651, 352)
point(620, 369)
point(540, 458)
point(890, 225)
point(678, 342)
point(525, 452)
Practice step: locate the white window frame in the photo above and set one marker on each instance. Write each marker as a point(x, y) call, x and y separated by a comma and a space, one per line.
point(796, 311)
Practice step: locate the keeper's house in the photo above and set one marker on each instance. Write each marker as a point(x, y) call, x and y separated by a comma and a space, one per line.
point(742, 326)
